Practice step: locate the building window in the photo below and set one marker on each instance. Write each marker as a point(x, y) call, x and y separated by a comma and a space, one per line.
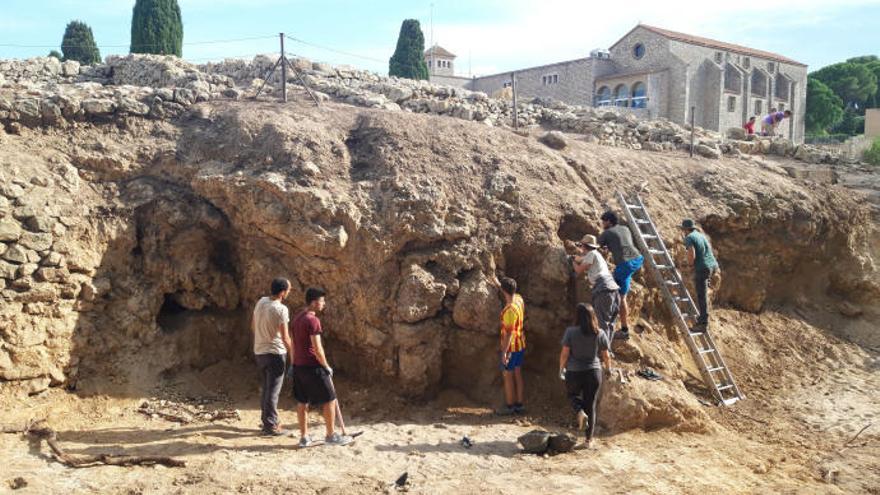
point(759, 83)
point(719, 57)
point(550, 79)
point(507, 84)
point(603, 97)
point(733, 80)
point(639, 95)
point(771, 67)
point(782, 107)
point(731, 103)
point(639, 51)
point(781, 90)
point(758, 107)
point(621, 96)
point(747, 62)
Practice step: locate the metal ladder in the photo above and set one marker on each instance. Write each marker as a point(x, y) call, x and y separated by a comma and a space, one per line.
point(715, 373)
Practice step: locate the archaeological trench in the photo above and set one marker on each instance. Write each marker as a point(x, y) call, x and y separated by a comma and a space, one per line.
point(135, 238)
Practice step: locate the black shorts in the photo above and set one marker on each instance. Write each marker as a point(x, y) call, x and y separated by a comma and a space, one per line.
point(312, 385)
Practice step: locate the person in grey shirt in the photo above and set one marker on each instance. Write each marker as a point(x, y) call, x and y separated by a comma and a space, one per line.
point(271, 345)
point(627, 262)
point(604, 291)
point(584, 354)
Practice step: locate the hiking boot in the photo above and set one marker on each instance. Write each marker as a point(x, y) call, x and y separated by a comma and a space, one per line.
point(582, 420)
point(337, 439)
point(506, 411)
point(305, 442)
point(700, 328)
point(274, 432)
point(621, 335)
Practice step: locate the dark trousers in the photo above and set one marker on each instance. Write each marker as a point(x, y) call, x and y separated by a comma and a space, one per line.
point(272, 367)
point(701, 282)
point(583, 392)
point(606, 304)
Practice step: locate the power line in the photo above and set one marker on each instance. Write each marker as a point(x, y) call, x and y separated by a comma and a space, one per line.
point(342, 52)
point(191, 43)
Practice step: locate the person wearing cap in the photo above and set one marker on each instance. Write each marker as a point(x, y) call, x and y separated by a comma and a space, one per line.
point(700, 256)
point(605, 293)
point(627, 261)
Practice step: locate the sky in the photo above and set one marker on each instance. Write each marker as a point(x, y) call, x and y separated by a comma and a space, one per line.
point(489, 36)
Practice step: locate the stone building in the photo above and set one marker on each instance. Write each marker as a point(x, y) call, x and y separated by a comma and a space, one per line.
point(654, 73)
point(441, 67)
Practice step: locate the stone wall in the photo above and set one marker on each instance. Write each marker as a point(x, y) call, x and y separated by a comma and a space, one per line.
point(574, 81)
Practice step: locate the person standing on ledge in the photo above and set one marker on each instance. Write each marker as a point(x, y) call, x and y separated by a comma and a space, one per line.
point(605, 295)
point(772, 120)
point(271, 345)
point(512, 346)
point(312, 374)
point(583, 346)
point(700, 256)
point(627, 261)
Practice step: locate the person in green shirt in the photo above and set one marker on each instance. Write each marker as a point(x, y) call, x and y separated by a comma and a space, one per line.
point(701, 258)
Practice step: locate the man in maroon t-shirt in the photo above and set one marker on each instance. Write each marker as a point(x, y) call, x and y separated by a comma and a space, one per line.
point(312, 374)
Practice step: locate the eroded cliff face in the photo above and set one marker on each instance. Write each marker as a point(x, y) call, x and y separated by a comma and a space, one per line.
point(139, 248)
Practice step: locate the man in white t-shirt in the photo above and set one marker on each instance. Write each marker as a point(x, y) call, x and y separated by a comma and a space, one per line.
point(271, 345)
point(605, 295)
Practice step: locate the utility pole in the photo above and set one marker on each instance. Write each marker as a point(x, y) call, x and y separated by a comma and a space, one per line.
point(433, 60)
point(283, 70)
point(285, 64)
point(513, 87)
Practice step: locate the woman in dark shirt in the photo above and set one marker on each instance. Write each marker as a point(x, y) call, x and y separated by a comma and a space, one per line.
point(583, 346)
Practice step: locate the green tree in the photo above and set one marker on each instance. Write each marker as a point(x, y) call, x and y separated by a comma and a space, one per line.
point(853, 83)
point(157, 27)
point(79, 44)
point(852, 123)
point(864, 59)
point(408, 59)
point(824, 108)
point(56, 54)
point(872, 154)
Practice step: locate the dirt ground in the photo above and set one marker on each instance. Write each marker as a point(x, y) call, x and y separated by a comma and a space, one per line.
point(807, 396)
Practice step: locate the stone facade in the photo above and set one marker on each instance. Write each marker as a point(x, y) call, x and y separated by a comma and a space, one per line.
point(655, 73)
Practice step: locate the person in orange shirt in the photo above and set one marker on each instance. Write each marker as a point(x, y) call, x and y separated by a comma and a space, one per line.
point(512, 346)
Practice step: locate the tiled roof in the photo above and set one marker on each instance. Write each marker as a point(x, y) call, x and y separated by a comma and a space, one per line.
point(439, 51)
point(710, 43)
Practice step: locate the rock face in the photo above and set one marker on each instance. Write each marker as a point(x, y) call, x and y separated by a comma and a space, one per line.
point(129, 253)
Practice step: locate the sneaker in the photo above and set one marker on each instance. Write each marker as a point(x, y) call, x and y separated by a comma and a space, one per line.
point(275, 432)
point(519, 409)
point(305, 442)
point(621, 335)
point(506, 411)
point(337, 439)
point(582, 420)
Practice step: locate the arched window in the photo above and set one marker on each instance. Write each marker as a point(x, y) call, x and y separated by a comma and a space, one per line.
point(759, 83)
point(603, 97)
point(781, 88)
point(733, 80)
point(621, 96)
point(639, 95)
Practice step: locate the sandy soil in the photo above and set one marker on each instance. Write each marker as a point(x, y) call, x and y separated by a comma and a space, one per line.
point(806, 398)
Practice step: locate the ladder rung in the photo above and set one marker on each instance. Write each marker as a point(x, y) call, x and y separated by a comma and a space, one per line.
point(643, 222)
point(706, 351)
point(725, 387)
point(664, 267)
point(649, 236)
point(656, 251)
point(682, 299)
point(633, 207)
point(672, 282)
point(713, 370)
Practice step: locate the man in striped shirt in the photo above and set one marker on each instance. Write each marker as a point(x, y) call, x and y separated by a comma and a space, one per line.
point(512, 347)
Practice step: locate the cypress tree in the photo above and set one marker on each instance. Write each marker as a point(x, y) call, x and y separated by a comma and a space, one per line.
point(79, 44)
point(408, 59)
point(157, 27)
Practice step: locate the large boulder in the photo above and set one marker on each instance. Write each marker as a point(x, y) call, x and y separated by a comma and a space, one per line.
point(535, 441)
point(555, 140)
point(477, 305)
point(419, 295)
point(737, 133)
